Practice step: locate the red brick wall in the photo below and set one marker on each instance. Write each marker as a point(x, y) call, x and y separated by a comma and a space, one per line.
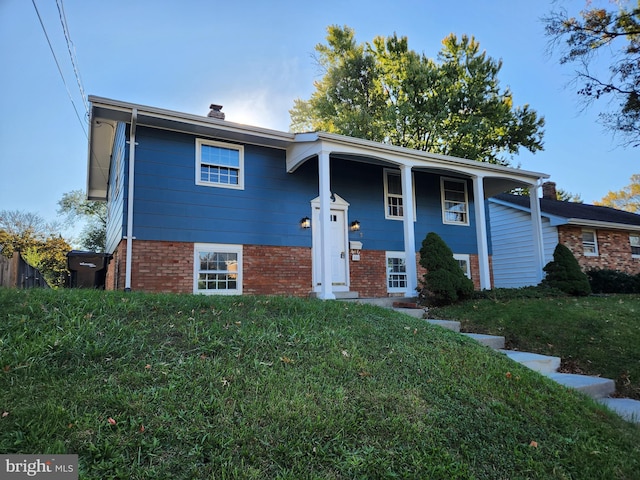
point(614, 249)
point(369, 275)
point(276, 270)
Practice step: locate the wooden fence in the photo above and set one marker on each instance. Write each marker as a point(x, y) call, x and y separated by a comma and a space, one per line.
point(15, 272)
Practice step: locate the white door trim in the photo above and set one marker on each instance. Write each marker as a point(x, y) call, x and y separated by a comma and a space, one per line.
point(337, 204)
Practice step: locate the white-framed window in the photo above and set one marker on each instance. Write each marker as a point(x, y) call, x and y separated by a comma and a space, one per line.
point(394, 208)
point(217, 269)
point(396, 272)
point(634, 240)
point(219, 164)
point(589, 243)
point(455, 201)
point(393, 201)
point(463, 261)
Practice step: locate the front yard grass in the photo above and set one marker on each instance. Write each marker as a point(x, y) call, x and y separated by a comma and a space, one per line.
point(188, 387)
point(595, 335)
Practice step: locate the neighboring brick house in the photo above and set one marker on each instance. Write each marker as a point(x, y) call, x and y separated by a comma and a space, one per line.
point(197, 204)
point(599, 237)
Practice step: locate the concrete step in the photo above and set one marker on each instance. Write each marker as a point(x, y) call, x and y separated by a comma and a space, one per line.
point(492, 341)
point(539, 363)
point(625, 407)
point(386, 302)
point(595, 387)
point(448, 324)
point(414, 312)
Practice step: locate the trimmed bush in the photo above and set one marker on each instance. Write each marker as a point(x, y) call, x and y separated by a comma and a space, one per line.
point(564, 273)
point(613, 281)
point(444, 282)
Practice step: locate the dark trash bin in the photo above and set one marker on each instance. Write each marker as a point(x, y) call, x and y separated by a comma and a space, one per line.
point(88, 269)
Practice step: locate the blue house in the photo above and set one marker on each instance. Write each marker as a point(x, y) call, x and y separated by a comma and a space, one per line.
point(199, 204)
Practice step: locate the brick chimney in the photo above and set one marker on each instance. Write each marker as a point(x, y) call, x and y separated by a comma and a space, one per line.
point(216, 112)
point(549, 191)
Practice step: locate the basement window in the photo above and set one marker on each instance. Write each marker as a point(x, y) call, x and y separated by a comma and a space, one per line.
point(396, 272)
point(217, 269)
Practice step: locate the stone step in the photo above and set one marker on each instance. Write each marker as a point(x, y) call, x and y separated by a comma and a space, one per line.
point(448, 324)
point(534, 361)
point(414, 312)
point(595, 387)
point(625, 407)
point(492, 341)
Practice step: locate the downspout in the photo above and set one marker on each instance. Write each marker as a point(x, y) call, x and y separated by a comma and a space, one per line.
point(536, 224)
point(129, 237)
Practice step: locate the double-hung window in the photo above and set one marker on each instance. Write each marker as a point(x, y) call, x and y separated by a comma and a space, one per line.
point(393, 194)
point(217, 269)
point(455, 201)
point(396, 272)
point(219, 164)
point(589, 243)
point(634, 240)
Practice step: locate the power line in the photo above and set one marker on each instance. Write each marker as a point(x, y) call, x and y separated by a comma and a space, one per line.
point(59, 69)
point(72, 52)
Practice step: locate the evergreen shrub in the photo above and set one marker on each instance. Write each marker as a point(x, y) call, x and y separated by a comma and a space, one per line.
point(564, 273)
point(613, 281)
point(444, 282)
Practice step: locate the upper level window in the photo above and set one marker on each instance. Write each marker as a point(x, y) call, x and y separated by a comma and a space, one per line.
point(455, 202)
point(393, 194)
point(635, 245)
point(219, 164)
point(589, 243)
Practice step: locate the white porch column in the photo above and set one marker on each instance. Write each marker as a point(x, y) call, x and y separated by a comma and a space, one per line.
point(326, 274)
point(536, 229)
point(481, 233)
point(409, 230)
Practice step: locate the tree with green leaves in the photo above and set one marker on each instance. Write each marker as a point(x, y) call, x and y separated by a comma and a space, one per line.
point(626, 199)
point(75, 206)
point(444, 282)
point(37, 241)
point(385, 92)
point(613, 36)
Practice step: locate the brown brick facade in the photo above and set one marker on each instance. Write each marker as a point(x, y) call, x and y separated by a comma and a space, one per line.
point(267, 270)
point(614, 249)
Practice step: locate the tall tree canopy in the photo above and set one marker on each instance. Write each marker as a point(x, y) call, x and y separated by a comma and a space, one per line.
point(615, 35)
point(75, 206)
point(626, 199)
point(384, 91)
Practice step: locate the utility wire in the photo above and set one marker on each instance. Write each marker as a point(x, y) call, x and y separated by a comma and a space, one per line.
point(72, 53)
point(59, 69)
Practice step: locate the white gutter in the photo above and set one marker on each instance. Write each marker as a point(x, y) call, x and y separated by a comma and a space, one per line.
point(129, 237)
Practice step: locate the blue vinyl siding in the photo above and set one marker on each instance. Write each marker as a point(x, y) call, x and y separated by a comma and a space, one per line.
point(117, 190)
point(170, 206)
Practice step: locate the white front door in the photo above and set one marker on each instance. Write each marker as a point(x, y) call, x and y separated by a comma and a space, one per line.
point(339, 246)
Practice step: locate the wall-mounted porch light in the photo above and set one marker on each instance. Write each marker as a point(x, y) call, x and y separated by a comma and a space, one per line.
point(305, 222)
point(355, 226)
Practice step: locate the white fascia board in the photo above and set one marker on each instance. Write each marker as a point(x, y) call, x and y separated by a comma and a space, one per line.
point(553, 219)
point(599, 224)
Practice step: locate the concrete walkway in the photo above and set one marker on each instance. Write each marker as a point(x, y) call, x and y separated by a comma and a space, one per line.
point(597, 388)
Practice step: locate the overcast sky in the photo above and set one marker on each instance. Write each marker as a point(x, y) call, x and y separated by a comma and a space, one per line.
point(255, 58)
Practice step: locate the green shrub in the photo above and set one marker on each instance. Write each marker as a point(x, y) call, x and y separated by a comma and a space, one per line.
point(613, 281)
point(444, 282)
point(564, 273)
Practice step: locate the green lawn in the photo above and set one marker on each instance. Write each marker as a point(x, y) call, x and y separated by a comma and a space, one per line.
point(183, 387)
point(596, 335)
